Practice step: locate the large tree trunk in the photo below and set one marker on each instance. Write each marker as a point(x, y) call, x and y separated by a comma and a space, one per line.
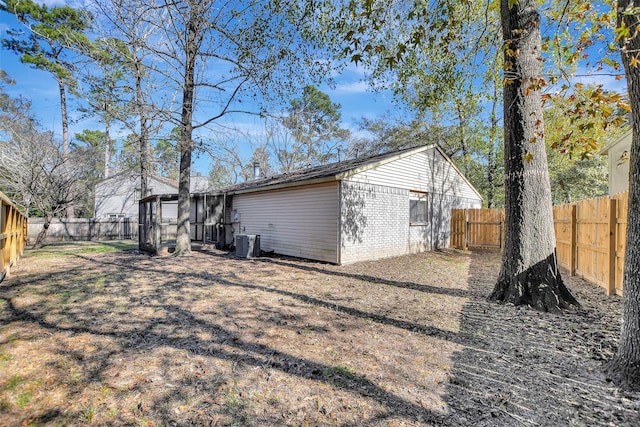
point(183, 237)
point(529, 274)
point(624, 369)
point(491, 154)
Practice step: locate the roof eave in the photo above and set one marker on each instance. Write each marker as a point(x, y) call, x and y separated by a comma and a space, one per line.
point(605, 150)
point(321, 180)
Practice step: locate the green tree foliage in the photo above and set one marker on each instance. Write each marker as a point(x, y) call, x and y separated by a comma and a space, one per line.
point(442, 60)
point(219, 175)
point(49, 40)
point(450, 37)
point(314, 121)
point(261, 160)
point(88, 150)
point(128, 157)
point(165, 156)
point(390, 135)
point(92, 143)
point(575, 170)
point(142, 99)
point(105, 89)
point(529, 274)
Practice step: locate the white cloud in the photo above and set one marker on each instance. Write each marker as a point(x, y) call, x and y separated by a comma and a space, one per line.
point(357, 69)
point(352, 88)
point(608, 82)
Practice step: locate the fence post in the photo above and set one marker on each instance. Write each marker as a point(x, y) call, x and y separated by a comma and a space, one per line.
point(611, 250)
point(466, 230)
point(573, 244)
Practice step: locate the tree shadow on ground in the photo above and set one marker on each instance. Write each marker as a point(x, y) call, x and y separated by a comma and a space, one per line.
point(238, 351)
point(523, 367)
point(456, 292)
point(515, 366)
point(203, 278)
point(179, 329)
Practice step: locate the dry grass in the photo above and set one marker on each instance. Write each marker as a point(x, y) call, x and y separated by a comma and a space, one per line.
point(120, 338)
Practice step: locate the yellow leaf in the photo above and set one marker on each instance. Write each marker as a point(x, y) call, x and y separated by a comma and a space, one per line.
point(528, 157)
point(634, 61)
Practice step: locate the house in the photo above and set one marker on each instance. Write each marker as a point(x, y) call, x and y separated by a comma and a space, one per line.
point(199, 184)
point(618, 154)
point(388, 205)
point(117, 196)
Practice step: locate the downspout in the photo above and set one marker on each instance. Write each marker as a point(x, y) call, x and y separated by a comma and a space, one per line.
point(339, 230)
point(430, 210)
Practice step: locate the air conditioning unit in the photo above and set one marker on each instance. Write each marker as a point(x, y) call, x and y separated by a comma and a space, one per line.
point(247, 245)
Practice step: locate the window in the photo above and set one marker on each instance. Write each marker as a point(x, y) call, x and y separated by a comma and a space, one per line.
point(417, 208)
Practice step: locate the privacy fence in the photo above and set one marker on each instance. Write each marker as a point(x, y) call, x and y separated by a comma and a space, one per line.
point(13, 235)
point(85, 229)
point(590, 236)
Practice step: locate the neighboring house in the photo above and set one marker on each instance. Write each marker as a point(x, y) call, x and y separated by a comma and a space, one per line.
point(618, 153)
point(199, 184)
point(117, 196)
point(387, 205)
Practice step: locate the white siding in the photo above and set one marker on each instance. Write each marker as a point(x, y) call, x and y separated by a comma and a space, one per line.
point(618, 168)
point(117, 195)
point(426, 171)
point(301, 222)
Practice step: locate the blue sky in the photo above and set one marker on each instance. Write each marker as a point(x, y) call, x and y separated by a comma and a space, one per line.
point(354, 95)
point(350, 91)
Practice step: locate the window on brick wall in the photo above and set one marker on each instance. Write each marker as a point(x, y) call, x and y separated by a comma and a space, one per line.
point(417, 207)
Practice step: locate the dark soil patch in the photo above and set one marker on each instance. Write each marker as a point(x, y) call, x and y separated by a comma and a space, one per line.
point(522, 367)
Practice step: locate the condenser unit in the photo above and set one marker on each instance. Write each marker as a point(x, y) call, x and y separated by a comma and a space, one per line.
point(247, 245)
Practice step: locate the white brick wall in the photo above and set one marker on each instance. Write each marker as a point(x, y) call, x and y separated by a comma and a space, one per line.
point(374, 222)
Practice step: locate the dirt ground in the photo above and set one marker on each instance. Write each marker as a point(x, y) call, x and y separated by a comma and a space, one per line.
point(101, 335)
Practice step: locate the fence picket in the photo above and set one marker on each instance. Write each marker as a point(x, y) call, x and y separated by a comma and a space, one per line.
point(590, 237)
point(13, 226)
